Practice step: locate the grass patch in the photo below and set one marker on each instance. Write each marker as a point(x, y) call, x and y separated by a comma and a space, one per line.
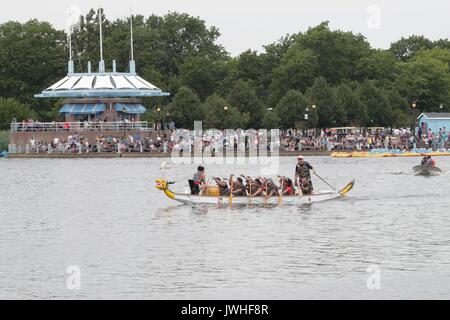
point(4, 140)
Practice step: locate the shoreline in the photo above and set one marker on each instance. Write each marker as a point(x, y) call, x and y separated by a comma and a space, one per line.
point(140, 155)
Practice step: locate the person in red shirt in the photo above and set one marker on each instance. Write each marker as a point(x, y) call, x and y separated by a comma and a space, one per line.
point(287, 187)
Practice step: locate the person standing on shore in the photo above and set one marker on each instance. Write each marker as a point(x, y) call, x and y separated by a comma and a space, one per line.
point(302, 170)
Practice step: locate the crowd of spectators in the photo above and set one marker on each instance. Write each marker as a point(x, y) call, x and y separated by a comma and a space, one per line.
point(360, 139)
point(341, 139)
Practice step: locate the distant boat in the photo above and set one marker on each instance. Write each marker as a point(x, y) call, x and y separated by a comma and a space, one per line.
point(165, 165)
point(426, 170)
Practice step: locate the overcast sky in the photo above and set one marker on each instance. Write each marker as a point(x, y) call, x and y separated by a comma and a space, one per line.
point(249, 24)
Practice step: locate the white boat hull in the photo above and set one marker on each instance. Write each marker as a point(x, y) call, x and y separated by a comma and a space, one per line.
point(188, 199)
point(289, 200)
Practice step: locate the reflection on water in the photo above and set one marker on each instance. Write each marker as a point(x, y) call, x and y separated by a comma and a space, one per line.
point(130, 241)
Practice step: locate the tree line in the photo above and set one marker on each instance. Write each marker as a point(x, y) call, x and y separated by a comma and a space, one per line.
point(334, 77)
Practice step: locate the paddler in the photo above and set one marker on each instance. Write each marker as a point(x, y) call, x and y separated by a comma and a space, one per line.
point(239, 188)
point(306, 187)
point(302, 170)
point(199, 180)
point(272, 189)
point(431, 161)
point(287, 187)
point(424, 161)
point(223, 187)
point(251, 186)
point(258, 187)
point(428, 161)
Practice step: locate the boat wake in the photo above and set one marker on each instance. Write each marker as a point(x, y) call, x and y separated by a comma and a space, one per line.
point(399, 172)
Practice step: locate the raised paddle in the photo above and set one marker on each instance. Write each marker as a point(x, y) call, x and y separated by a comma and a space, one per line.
point(249, 181)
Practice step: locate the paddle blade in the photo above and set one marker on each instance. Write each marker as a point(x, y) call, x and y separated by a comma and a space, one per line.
point(347, 188)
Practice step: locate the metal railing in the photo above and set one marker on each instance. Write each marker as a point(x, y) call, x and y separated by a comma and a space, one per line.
point(79, 126)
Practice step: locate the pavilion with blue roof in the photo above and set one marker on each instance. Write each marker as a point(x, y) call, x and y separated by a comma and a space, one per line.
point(102, 96)
point(111, 96)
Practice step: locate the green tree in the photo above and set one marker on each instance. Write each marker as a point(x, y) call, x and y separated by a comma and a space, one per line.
point(4, 140)
point(379, 111)
point(323, 96)
point(202, 74)
point(297, 71)
point(355, 110)
point(271, 120)
point(379, 65)
point(401, 109)
point(426, 80)
point(406, 48)
point(439, 54)
point(175, 37)
point(270, 60)
point(292, 109)
point(86, 40)
point(32, 57)
point(10, 109)
point(185, 108)
point(244, 98)
point(219, 114)
point(337, 52)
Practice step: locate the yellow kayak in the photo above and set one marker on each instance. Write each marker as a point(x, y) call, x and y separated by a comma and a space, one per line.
point(363, 154)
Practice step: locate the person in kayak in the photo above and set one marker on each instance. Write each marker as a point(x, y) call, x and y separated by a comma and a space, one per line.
point(302, 170)
point(431, 161)
point(428, 161)
point(224, 191)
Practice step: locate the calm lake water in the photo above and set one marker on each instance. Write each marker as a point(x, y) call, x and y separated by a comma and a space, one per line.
point(130, 241)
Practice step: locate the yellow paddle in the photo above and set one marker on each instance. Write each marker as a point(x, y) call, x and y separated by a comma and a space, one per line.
point(280, 193)
point(230, 201)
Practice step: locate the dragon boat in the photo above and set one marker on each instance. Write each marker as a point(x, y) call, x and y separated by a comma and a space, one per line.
point(213, 199)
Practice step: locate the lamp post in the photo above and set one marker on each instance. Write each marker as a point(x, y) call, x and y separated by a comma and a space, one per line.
point(441, 107)
point(167, 121)
point(158, 119)
point(124, 122)
point(413, 113)
point(314, 107)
